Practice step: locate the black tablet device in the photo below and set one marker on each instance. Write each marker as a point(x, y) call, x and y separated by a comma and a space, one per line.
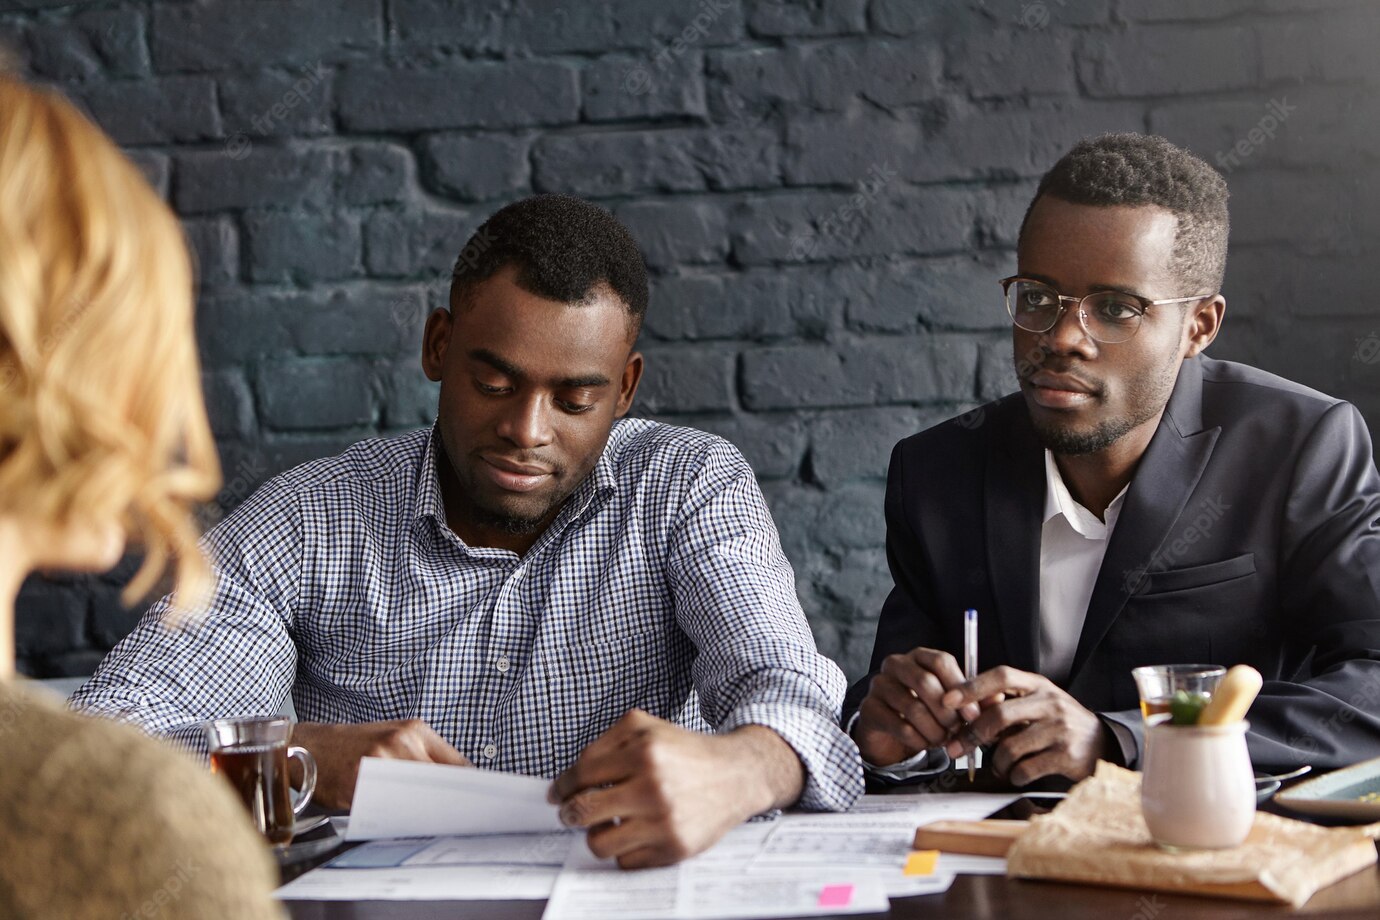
point(1027, 806)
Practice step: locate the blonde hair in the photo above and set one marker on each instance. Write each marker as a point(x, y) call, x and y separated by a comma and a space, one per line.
point(101, 413)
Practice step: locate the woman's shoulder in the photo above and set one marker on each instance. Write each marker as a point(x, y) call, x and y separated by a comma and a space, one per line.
point(105, 821)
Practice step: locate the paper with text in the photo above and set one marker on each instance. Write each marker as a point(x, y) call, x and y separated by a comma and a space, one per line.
point(874, 838)
point(713, 886)
point(499, 868)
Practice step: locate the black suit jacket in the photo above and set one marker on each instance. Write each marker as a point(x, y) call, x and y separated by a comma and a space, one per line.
point(1250, 534)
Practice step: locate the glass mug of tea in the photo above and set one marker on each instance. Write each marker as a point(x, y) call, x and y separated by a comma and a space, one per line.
point(1158, 683)
point(252, 753)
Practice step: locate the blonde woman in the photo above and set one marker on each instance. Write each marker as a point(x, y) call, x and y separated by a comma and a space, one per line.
point(103, 437)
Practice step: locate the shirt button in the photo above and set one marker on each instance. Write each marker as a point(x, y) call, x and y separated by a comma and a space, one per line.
point(490, 751)
point(503, 664)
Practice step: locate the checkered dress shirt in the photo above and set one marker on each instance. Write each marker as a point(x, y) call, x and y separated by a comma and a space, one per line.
point(661, 585)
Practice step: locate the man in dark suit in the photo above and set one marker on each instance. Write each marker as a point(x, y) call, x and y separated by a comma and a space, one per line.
point(1135, 503)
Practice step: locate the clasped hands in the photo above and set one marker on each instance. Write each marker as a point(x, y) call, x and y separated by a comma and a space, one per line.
point(649, 792)
point(920, 701)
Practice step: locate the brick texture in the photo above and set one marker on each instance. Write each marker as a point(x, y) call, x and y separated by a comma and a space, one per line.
point(826, 192)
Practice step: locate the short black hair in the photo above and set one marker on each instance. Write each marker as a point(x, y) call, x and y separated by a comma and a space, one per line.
point(563, 248)
point(1141, 169)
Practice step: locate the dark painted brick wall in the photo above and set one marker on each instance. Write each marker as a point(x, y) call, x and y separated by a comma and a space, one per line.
point(826, 192)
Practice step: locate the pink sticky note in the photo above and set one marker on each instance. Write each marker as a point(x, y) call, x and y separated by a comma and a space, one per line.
point(835, 896)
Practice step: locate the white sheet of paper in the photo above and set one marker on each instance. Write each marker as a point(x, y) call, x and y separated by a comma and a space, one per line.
point(873, 839)
point(875, 833)
point(505, 867)
point(508, 850)
point(961, 864)
point(938, 806)
point(855, 849)
point(705, 889)
point(910, 886)
point(422, 883)
point(548, 849)
point(403, 798)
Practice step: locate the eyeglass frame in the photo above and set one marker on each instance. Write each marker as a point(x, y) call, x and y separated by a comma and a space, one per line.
point(1145, 305)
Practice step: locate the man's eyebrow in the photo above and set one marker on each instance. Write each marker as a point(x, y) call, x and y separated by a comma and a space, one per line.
point(487, 357)
point(586, 380)
point(566, 383)
point(1095, 288)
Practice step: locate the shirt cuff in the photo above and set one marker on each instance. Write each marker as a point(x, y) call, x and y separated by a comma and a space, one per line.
point(190, 740)
point(833, 767)
point(1127, 748)
point(926, 763)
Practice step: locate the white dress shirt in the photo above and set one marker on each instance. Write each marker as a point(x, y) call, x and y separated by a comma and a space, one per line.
point(1072, 544)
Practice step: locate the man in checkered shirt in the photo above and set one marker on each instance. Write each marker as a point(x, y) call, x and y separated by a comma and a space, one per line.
point(536, 584)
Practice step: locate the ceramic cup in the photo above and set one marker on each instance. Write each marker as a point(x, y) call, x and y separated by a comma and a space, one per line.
point(1197, 785)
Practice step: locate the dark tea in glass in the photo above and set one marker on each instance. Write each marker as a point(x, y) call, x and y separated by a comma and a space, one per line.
point(252, 754)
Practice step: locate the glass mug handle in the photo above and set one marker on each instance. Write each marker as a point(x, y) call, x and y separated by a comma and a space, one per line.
point(303, 796)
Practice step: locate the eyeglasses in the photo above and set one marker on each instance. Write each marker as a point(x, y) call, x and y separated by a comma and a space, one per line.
point(1108, 317)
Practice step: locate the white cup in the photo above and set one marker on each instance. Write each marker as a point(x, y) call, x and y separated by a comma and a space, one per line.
point(1197, 787)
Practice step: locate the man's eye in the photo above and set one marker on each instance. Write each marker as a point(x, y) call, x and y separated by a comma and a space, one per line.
point(574, 408)
point(489, 388)
point(1118, 310)
point(1036, 299)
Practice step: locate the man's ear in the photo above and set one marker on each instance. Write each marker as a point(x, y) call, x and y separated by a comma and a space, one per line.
point(1203, 324)
point(627, 385)
point(435, 341)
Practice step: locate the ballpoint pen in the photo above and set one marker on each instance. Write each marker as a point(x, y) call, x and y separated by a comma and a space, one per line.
point(970, 670)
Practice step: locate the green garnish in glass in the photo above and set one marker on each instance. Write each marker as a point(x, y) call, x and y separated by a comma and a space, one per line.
point(1184, 707)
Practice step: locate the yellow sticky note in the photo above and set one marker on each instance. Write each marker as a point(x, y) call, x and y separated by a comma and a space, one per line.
point(921, 862)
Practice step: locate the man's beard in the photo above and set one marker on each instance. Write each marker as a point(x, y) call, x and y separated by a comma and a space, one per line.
point(508, 523)
point(1071, 443)
point(519, 525)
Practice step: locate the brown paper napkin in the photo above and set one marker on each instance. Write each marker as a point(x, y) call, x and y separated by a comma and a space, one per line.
point(1097, 835)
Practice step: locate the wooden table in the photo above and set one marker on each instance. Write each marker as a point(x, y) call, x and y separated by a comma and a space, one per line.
point(972, 897)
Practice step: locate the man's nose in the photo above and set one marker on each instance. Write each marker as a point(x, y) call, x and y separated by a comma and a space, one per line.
point(527, 422)
point(1068, 335)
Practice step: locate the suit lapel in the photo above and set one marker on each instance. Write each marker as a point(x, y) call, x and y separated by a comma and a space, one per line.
point(1166, 477)
point(1015, 494)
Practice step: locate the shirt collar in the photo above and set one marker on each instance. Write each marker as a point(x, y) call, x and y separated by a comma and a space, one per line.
point(598, 485)
point(428, 502)
point(1058, 500)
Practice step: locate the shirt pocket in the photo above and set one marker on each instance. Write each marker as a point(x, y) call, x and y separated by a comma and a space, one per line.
point(592, 685)
point(1216, 612)
point(1198, 576)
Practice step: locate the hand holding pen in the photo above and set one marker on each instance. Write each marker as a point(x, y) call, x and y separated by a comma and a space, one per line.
point(904, 712)
point(1032, 727)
